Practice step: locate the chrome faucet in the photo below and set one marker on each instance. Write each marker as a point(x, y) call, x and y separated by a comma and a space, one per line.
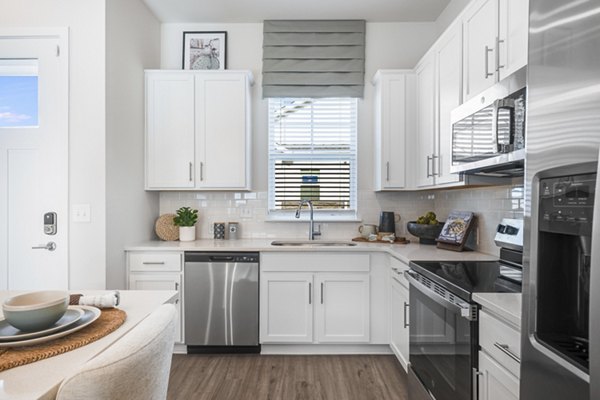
point(311, 228)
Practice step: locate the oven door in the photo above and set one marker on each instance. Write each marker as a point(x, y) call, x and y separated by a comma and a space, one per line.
point(443, 336)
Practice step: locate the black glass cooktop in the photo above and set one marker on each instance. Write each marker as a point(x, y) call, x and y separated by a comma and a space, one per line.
point(464, 278)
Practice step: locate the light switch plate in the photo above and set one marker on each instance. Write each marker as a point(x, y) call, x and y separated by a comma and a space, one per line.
point(81, 213)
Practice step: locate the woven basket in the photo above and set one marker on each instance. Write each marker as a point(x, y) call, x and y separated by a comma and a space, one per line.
point(165, 227)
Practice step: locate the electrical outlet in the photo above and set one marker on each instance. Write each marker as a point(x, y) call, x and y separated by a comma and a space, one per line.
point(81, 213)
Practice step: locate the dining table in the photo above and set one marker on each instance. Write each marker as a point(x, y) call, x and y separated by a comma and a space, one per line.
point(41, 379)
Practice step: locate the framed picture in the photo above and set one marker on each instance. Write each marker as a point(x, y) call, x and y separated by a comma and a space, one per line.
point(456, 230)
point(204, 50)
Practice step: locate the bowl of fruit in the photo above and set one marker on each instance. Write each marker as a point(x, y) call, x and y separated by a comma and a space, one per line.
point(427, 228)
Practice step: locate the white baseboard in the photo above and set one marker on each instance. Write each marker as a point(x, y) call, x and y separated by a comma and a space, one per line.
point(325, 349)
point(180, 348)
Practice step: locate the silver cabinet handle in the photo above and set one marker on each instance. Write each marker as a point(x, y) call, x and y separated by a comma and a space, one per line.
point(405, 314)
point(506, 350)
point(487, 62)
point(476, 375)
point(433, 173)
point(428, 173)
point(387, 168)
point(201, 171)
point(321, 292)
point(498, 41)
point(50, 246)
point(191, 171)
point(309, 293)
point(176, 285)
point(153, 263)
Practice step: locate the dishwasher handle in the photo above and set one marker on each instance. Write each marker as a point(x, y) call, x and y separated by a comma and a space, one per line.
point(221, 258)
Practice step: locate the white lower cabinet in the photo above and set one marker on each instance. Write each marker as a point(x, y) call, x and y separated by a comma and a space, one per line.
point(338, 303)
point(158, 271)
point(495, 382)
point(399, 334)
point(286, 307)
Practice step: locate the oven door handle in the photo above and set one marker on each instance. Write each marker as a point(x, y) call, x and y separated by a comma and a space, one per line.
point(463, 312)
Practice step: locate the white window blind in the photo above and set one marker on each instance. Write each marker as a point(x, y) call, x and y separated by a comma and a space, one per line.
point(312, 153)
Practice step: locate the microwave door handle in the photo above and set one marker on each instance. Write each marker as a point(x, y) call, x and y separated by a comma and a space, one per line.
point(504, 104)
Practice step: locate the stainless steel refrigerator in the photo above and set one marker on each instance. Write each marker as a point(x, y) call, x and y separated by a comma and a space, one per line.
point(561, 285)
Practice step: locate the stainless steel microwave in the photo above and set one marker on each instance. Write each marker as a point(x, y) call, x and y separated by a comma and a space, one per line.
point(488, 131)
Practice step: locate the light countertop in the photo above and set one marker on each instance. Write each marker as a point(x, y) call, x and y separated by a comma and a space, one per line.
point(505, 305)
point(403, 252)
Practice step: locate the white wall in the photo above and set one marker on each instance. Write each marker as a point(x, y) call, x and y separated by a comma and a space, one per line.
point(132, 45)
point(85, 19)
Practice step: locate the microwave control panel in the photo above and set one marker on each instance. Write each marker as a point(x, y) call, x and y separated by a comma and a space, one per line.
point(567, 204)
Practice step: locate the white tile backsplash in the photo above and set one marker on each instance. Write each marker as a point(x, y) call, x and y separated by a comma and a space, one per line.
point(490, 204)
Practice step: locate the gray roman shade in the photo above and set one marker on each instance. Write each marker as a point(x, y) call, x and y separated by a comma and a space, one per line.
point(314, 58)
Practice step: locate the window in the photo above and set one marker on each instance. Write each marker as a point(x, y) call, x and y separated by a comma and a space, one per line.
point(18, 93)
point(312, 155)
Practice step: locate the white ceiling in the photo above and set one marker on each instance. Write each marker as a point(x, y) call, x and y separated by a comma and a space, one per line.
point(259, 10)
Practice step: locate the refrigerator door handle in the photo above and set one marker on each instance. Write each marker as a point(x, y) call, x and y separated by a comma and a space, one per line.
point(595, 299)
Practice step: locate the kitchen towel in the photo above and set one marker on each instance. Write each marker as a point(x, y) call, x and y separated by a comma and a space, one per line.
point(108, 300)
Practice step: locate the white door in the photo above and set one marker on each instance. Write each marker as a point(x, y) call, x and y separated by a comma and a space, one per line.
point(514, 30)
point(286, 304)
point(393, 130)
point(495, 382)
point(449, 74)
point(481, 31)
point(400, 332)
point(169, 130)
point(160, 281)
point(33, 161)
point(343, 305)
point(425, 122)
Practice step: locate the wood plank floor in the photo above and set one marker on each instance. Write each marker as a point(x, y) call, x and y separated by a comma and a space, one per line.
point(240, 377)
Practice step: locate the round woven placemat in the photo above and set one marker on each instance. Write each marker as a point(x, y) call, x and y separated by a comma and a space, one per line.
point(109, 320)
point(165, 228)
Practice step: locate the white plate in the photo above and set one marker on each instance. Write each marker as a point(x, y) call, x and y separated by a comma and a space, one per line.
point(9, 333)
point(90, 315)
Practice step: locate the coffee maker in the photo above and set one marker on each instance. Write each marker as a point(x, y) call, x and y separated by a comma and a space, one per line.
point(557, 310)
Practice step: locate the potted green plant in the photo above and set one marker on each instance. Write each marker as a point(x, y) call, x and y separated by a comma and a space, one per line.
point(186, 219)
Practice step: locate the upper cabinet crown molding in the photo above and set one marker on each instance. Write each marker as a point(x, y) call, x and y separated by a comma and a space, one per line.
point(198, 130)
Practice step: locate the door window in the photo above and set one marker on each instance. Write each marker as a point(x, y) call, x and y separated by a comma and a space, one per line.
point(18, 93)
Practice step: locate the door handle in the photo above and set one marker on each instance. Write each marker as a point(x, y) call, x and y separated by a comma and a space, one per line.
point(191, 168)
point(487, 62)
point(387, 167)
point(201, 171)
point(405, 307)
point(476, 375)
point(309, 293)
point(428, 173)
point(498, 41)
point(50, 246)
point(321, 292)
point(176, 285)
point(433, 158)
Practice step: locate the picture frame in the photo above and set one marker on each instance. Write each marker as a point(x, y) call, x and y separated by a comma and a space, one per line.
point(206, 50)
point(456, 230)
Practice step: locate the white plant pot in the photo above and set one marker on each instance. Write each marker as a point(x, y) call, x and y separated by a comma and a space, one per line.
point(187, 233)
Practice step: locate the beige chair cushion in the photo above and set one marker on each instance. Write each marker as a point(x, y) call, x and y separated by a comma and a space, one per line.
point(135, 367)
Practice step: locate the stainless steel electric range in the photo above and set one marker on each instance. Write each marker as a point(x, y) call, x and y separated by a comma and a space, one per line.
point(444, 318)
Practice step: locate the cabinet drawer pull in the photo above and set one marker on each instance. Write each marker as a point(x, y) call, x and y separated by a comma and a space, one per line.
point(505, 349)
point(487, 62)
point(309, 293)
point(153, 263)
point(498, 66)
point(387, 168)
point(433, 158)
point(406, 325)
point(321, 292)
point(428, 173)
point(201, 171)
point(191, 171)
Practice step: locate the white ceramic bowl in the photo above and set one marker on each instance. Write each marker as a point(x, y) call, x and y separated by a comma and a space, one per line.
point(35, 311)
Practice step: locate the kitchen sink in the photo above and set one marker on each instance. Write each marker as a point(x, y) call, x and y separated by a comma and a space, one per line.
point(311, 243)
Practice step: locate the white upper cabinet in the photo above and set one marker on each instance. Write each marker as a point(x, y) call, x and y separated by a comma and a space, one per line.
point(449, 89)
point(169, 130)
point(425, 142)
point(514, 30)
point(394, 94)
point(495, 42)
point(198, 130)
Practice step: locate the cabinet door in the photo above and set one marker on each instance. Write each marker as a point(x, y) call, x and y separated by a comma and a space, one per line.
point(158, 281)
point(221, 124)
point(342, 308)
point(400, 331)
point(480, 26)
point(425, 122)
point(514, 30)
point(393, 141)
point(169, 130)
point(449, 78)
point(496, 383)
point(286, 309)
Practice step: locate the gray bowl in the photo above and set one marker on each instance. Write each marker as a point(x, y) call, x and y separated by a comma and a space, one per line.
point(35, 311)
point(426, 233)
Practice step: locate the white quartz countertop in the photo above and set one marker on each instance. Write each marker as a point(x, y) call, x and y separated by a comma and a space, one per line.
point(403, 252)
point(504, 305)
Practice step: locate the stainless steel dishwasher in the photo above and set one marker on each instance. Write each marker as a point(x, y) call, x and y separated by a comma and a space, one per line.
point(221, 302)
